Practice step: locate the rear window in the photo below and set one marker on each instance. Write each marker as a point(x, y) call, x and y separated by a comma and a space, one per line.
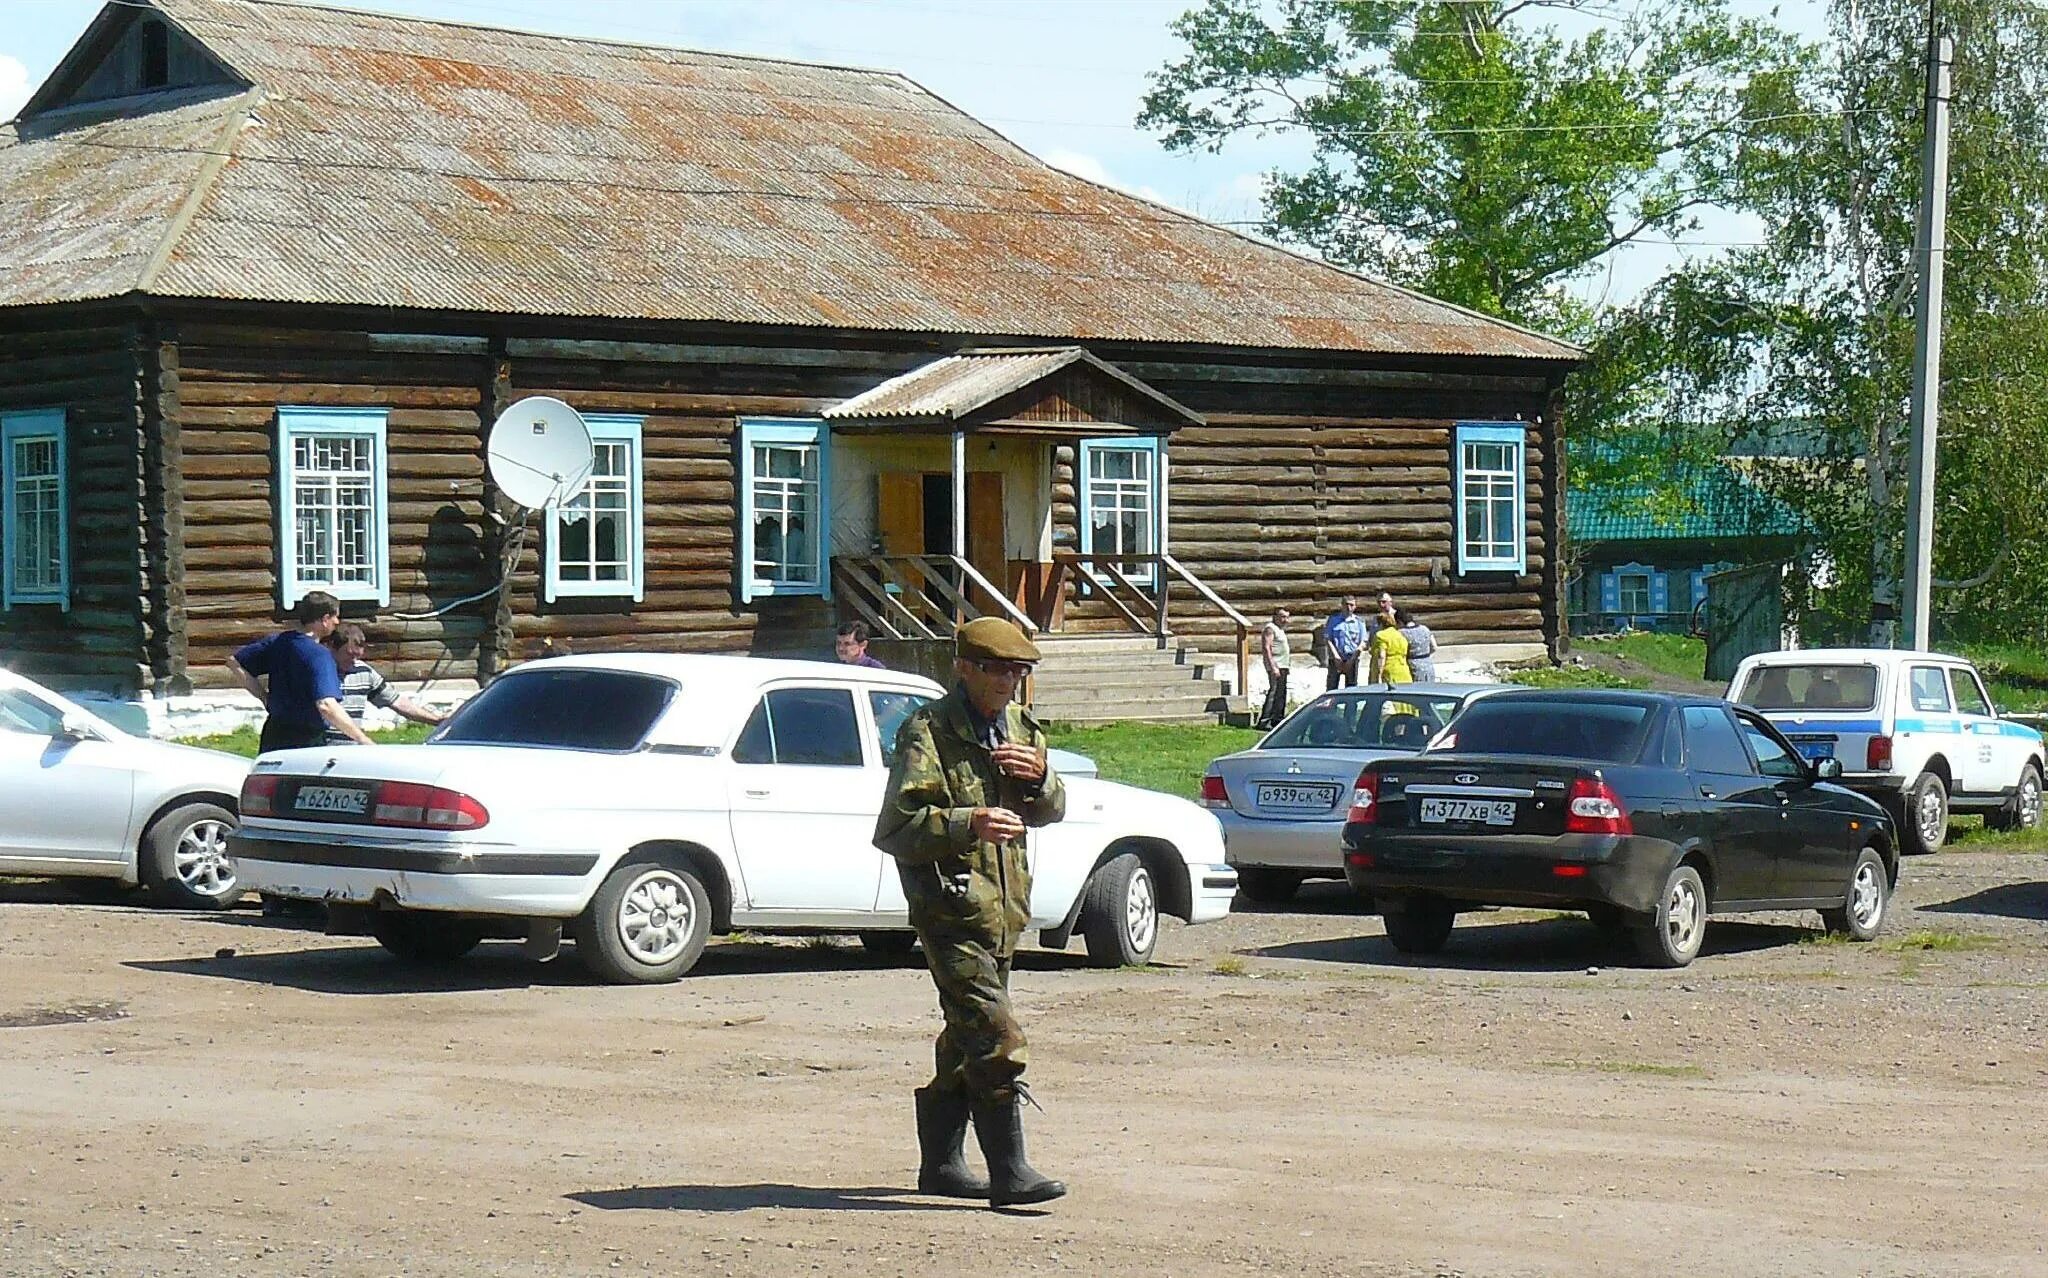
point(1810, 687)
point(1602, 731)
point(562, 709)
point(1358, 722)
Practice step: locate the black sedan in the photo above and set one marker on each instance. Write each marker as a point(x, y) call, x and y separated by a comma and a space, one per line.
point(1646, 810)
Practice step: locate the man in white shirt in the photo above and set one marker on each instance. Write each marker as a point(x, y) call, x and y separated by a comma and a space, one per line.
point(1274, 651)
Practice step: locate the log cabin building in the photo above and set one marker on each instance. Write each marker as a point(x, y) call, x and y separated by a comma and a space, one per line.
point(270, 272)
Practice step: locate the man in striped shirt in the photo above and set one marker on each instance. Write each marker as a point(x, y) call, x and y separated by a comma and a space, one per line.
point(361, 685)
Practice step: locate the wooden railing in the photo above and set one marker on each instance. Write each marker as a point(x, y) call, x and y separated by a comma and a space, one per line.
point(920, 596)
point(931, 596)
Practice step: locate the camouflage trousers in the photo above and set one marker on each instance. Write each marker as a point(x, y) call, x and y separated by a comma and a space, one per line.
point(981, 1051)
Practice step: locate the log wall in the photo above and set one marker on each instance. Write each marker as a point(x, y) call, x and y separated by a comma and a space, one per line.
point(90, 365)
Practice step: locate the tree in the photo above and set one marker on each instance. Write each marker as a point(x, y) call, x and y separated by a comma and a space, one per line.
point(1467, 150)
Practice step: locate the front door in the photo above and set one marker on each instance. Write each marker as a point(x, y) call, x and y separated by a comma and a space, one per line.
point(1739, 807)
point(914, 516)
point(803, 793)
point(61, 799)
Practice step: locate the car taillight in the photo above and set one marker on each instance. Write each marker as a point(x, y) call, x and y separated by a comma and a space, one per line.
point(1877, 756)
point(1365, 798)
point(1592, 807)
point(259, 794)
point(414, 806)
point(1213, 795)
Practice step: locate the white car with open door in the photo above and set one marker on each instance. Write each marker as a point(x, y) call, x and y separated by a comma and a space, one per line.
point(645, 802)
point(80, 799)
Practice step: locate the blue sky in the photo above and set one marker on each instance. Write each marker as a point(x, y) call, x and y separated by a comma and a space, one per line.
point(1062, 78)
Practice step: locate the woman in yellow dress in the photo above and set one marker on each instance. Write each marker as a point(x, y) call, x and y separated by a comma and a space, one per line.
point(1389, 649)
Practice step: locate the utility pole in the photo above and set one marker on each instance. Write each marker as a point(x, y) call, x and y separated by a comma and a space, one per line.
point(1930, 250)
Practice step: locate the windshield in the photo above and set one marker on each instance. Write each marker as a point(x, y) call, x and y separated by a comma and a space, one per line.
point(1603, 731)
point(1810, 687)
point(564, 709)
point(1354, 721)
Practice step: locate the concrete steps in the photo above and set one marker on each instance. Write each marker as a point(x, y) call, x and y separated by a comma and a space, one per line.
point(1117, 679)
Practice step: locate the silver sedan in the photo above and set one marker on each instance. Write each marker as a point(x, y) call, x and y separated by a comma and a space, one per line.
point(1282, 803)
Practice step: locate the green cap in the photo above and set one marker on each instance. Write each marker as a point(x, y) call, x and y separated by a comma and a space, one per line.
point(994, 639)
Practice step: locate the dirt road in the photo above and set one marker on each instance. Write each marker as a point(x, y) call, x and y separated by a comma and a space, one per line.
point(1527, 1104)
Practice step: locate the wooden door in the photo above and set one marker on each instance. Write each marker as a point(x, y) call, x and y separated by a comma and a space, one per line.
point(899, 513)
point(985, 532)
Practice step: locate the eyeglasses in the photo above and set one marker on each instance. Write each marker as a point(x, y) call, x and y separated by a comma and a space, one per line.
point(1004, 669)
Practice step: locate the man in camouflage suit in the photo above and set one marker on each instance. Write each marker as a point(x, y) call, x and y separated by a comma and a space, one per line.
point(970, 776)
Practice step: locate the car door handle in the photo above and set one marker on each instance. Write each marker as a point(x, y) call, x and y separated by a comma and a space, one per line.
point(757, 794)
point(1707, 792)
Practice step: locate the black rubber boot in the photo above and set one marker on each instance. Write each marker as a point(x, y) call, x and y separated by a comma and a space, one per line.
point(1012, 1182)
point(941, 1133)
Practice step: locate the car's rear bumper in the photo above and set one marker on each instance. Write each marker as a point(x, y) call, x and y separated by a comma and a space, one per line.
point(1565, 870)
point(416, 874)
point(1290, 845)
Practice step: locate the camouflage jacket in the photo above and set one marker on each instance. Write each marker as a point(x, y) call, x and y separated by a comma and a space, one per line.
point(942, 773)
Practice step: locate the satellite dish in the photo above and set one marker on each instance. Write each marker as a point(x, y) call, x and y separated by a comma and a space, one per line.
point(539, 451)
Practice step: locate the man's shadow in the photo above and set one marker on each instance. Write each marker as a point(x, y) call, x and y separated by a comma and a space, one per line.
point(729, 1198)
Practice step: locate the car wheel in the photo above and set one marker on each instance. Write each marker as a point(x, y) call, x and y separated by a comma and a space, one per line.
point(1679, 923)
point(2024, 813)
point(1266, 885)
point(430, 940)
point(888, 944)
point(1863, 906)
point(1418, 925)
point(185, 858)
point(647, 924)
point(1120, 918)
point(1925, 827)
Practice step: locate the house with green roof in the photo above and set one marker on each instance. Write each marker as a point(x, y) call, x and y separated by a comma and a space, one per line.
point(1643, 552)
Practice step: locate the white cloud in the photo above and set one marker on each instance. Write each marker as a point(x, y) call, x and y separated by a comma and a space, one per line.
point(1088, 167)
point(14, 86)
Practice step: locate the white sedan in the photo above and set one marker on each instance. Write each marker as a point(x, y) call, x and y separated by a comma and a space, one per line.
point(645, 802)
point(81, 799)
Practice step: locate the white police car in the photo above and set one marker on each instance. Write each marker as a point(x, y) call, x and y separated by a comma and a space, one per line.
point(1914, 730)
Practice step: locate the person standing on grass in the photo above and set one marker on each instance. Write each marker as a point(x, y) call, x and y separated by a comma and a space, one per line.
point(1345, 637)
point(361, 685)
point(1274, 651)
point(295, 678)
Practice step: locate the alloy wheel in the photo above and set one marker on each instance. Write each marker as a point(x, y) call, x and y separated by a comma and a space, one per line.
point(1866, 895)
point(1932, 816)
point(2029, 805)
point(201, 859)
point(1141, 910)
point(656, 916)
point(1684, 916)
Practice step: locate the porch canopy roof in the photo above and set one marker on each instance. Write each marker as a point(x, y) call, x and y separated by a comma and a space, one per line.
point(1059, 392)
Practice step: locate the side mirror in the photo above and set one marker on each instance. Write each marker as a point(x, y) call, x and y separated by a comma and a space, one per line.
point(1828, 769)
point(77, 728)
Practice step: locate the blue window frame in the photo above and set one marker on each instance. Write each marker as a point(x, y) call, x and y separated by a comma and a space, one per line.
point(1120, 500)
point(334, 504)
point(595, 536)
point(785, 508)
point(1488, 464)
point(35, 509)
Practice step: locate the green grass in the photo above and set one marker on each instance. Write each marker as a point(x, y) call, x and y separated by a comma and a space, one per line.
point(1632, 1067)
point(1932, 939)
point(1571, 677)
point(1229, 965)
point(242, 741)
point(1156, 756)
point(2017, 676)
point(1969, 834)
point(1680, 656)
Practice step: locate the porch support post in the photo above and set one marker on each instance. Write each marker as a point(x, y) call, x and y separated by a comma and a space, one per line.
point(960, 494)
point(1159, 547)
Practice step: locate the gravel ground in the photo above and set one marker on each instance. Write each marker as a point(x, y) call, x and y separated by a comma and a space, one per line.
point(202, 1095)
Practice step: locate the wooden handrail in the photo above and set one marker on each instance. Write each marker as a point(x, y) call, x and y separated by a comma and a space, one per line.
point(916, 575)
point(1244, 625)
point(1024, 623)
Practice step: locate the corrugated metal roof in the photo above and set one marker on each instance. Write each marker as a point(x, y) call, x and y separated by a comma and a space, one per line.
point(955, 387)
point(398, 161)
point(1697, 503)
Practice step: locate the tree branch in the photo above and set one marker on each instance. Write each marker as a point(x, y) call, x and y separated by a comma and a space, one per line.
point(1969, 583)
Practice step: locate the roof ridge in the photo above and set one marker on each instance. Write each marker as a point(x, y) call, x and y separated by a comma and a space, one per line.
point(499, 28)
point(202, 186)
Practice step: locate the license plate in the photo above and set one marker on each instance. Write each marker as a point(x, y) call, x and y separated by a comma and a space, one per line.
point(1476, 811)
point(1305, 798)
point(331, 798)
point(1816, 750)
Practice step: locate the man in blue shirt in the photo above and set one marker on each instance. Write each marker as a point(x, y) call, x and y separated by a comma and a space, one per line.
point(1345, 632)
point(294, 676)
